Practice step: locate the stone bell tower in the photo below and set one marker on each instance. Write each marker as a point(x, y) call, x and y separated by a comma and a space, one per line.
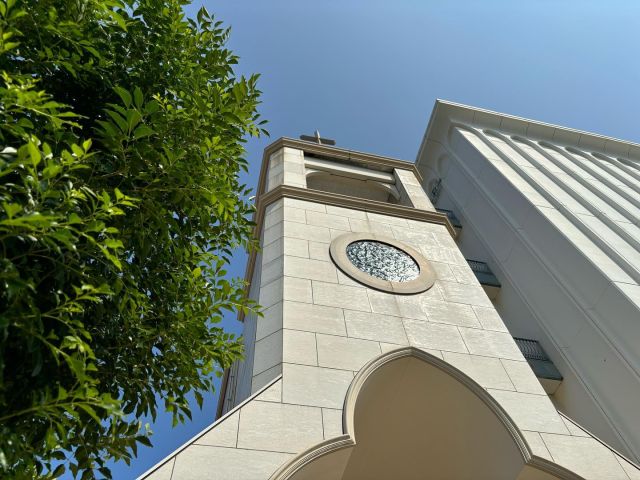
point(379, 355)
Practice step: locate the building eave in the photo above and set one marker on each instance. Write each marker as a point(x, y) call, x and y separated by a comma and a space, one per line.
point(445, 113)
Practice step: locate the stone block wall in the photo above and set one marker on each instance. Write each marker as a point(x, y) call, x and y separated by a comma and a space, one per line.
point(320, 327)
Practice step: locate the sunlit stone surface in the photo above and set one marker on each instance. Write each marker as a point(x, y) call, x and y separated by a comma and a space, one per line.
point(382, 261)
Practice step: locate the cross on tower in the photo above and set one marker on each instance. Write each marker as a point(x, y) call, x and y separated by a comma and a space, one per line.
point(316, 138)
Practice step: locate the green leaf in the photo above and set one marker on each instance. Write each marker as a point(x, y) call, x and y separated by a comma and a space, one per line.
point(124, 95)
point(59, 471)
point(74, 218)
point(62, 393)
point(113, 243)
point(34, 153)
point(89, 410)
point(119, 211)
point(144, 441)
point(120, 122)
point(142, 131)
point(106, 472)
point(138, 98)
point(52, 170)
point(58, 455)
point(119, 20)
point(11, 209)
point(133, 118)
point(151, 107)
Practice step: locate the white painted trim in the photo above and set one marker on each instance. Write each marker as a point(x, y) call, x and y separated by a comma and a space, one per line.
point(445, 111)
point(553, 273)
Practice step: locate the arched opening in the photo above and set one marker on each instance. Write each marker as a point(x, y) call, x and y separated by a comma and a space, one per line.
point(367, 189)
point(411, 415)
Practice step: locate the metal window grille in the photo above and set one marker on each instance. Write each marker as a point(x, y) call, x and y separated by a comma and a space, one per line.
point(537, 358)
point(435, 191)
point(483, 273)
point(531, 349)
point(451, 216)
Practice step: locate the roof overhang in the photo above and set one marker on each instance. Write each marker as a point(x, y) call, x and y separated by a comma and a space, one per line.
point(447, 113)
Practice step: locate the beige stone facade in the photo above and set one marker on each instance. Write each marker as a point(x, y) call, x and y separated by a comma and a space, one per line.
point(344, 381)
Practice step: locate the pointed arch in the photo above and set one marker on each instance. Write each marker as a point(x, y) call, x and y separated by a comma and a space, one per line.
point(408, 414)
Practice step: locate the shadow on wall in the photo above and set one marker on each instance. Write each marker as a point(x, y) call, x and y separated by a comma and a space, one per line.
point(367, 189)
point(407, 413)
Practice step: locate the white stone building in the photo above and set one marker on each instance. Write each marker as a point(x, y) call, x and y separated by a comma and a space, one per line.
point(387, 349)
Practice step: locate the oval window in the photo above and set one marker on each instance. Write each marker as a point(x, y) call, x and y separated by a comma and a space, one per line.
point(382, 261)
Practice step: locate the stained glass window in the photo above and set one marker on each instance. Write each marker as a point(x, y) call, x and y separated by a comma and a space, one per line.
point(382, 261)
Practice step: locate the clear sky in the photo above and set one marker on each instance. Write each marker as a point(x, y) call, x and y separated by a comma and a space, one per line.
point(366, 73)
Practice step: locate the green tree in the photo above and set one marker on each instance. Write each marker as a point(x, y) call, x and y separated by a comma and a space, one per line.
point(121, 129)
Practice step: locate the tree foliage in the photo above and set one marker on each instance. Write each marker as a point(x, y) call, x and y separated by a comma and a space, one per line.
point(121, 132)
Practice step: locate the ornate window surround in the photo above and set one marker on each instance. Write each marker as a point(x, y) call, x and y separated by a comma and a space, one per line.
point(424, 280)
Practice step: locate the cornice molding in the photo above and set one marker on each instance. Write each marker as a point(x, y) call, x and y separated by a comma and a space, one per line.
point(445, 113)
point(337, 200)
point(346, 201)
point(331, 153)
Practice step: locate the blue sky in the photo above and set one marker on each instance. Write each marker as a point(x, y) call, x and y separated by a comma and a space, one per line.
point(366, 73)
